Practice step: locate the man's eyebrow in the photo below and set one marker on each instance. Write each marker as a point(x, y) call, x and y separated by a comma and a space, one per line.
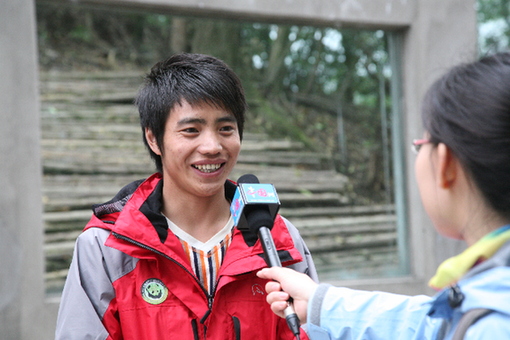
point(185, 121)
point(226, 118)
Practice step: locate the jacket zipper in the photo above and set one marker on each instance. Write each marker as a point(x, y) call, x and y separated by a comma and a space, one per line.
point(194, 326)
point(237, 327)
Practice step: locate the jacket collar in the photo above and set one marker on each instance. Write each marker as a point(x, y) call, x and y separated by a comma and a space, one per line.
point(133, 216)
point(487, 285)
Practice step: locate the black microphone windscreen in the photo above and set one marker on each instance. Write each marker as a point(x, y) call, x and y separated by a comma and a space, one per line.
point(248, 178)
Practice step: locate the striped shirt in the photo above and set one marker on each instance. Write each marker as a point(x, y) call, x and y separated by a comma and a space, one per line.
point(205, 258)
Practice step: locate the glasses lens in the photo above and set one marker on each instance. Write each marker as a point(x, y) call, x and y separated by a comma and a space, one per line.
point(417, 143)
point(415, 148)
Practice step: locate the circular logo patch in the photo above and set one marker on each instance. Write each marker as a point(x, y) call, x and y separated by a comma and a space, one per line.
point(154, 291)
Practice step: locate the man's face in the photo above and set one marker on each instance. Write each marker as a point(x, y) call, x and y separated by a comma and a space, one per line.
point(200, 147)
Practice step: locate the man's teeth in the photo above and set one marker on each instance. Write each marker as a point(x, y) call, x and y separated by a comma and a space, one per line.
point(208, 167)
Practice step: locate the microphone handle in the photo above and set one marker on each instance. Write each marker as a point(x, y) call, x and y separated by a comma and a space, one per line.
point(270, 253)
point(273, 260)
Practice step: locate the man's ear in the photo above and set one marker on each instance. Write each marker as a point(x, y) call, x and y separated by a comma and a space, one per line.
point(151, 140)
point(447, 166)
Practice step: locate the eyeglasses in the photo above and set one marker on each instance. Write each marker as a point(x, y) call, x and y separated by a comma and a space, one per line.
point(417, 144)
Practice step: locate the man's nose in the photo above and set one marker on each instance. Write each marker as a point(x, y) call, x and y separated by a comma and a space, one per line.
point(210, 143)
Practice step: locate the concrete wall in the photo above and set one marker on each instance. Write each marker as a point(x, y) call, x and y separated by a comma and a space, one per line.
point(21, 228)
point(434, 34)
point(365, 13)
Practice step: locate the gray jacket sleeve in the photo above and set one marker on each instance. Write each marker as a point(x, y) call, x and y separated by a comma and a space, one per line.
point(307, 266)
point(88, 290)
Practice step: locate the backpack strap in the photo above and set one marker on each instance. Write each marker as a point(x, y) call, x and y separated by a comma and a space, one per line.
point(469, 318)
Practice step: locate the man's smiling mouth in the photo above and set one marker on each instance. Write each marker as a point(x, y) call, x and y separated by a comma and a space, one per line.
point(207, 167)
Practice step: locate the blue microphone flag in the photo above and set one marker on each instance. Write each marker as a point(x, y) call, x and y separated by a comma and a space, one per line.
point(253, 194)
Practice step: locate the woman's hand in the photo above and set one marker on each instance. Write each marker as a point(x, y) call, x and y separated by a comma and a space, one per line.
point(287, 283)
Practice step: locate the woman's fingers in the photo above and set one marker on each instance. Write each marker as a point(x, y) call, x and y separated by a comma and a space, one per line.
point(289, 283)
point(273, 286)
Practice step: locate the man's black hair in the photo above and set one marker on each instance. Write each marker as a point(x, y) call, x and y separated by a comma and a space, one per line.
point(195, 78)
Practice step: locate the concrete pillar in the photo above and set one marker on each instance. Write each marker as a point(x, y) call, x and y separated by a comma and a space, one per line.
point(443, 34)
point(21, 227)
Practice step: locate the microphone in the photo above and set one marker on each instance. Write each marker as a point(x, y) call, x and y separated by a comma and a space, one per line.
point(254, 208)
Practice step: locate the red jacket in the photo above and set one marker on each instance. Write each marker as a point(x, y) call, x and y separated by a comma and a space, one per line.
point(130, 278)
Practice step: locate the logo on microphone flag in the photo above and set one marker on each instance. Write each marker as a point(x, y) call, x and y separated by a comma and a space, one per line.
point(252, 193)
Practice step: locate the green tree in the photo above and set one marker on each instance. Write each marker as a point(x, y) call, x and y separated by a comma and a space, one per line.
point(493, 25)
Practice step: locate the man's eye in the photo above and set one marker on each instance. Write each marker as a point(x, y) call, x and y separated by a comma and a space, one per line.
point(227, 128)
point(190, 130)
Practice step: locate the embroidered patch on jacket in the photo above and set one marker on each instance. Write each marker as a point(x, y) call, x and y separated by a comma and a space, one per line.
point(154, 291)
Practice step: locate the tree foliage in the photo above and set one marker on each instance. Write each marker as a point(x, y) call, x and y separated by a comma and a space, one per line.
point(493, 25)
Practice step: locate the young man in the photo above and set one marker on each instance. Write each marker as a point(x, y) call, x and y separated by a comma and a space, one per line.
point(162, 259)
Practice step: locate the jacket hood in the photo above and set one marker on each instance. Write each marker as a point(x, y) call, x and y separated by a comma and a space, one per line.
point(487, 285)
